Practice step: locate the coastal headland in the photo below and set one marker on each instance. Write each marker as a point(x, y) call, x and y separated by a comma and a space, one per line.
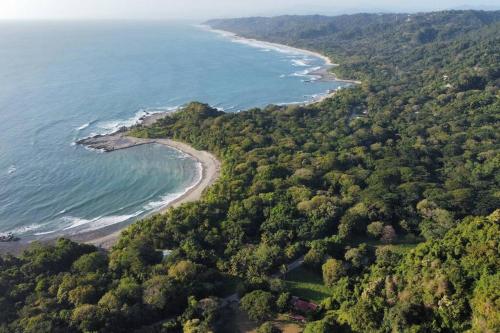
point(107, 237)
point(210, 171)
point(210, 165)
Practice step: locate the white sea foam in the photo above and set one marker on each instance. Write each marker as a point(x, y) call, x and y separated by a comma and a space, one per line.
point(220, 108)
point(94, 150)
point(307, 73)
point(96, 223)
point(232, 107)
point(25, 229)
point(183, 155)
point(74, 222)
point(167, 199)
point(115, 125)
point(300, 63)
point(82, 224)
point(78, 224)
point(265, 45)
point(111, 220)
point(12, 169)
point(291, 103)
point(84, 126)
point(301, 73)
point(293, 53)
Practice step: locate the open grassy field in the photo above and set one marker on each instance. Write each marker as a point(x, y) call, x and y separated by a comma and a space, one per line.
point(307, 284)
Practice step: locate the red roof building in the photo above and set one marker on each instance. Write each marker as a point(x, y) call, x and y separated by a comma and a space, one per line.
point(303, 306)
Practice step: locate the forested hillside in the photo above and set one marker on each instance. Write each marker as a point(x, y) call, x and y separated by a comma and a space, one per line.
point(385, 47)
point(390, 189)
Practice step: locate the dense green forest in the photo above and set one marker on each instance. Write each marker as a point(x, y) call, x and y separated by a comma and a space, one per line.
point(390, 190)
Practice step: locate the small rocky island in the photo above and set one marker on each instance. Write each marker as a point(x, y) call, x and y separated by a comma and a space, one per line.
point(8, 237)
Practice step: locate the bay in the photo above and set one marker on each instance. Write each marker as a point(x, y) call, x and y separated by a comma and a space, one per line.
point(62, 81)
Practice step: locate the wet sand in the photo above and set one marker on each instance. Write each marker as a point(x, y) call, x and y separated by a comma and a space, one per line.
point(107, 237)
point(324, 72)
point(210, 172)
point(328, 61)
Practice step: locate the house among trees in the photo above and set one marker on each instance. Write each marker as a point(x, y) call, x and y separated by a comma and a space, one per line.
point(302, 306)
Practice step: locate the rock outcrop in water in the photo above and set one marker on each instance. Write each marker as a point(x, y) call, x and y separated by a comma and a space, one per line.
point(119, 139)
point(111, 142)
point(8, 237)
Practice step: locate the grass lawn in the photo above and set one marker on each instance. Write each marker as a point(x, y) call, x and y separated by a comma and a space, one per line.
point(402, 248)
point(307, 284)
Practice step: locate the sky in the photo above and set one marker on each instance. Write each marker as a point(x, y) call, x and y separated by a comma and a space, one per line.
point(205, 9)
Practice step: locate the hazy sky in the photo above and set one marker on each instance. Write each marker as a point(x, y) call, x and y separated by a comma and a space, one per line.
point(202, 9)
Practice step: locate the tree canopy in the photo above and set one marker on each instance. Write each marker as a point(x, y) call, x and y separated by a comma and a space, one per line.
point(409, 156)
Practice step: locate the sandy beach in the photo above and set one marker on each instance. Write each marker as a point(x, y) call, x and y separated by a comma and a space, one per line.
point(210, 165)
point(324, 73)
point(232, 35)
point(210, 172)
point(107, 237)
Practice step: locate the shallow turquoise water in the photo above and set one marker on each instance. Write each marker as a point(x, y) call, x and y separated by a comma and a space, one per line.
point(63, 81)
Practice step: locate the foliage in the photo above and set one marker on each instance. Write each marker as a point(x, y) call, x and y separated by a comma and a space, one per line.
point(307, 284)
point(333, 270)
point(258, 304)
point(268, 327)
point(411, 152)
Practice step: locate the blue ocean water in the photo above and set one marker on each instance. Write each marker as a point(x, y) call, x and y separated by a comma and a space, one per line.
point(62, 81)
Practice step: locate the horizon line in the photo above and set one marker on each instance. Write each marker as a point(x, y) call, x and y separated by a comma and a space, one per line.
point(270, 15)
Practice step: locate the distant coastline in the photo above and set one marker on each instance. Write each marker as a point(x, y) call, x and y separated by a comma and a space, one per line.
point(225, 33)
point(324, 73)
point(210, 165)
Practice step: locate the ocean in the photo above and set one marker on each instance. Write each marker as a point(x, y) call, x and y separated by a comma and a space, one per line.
point(63, 81)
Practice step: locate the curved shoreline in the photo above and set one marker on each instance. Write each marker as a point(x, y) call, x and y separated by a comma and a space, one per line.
point(323, 72)
point(210, 172)
point(225, 33)
point(106, 237)
point(210, 164)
